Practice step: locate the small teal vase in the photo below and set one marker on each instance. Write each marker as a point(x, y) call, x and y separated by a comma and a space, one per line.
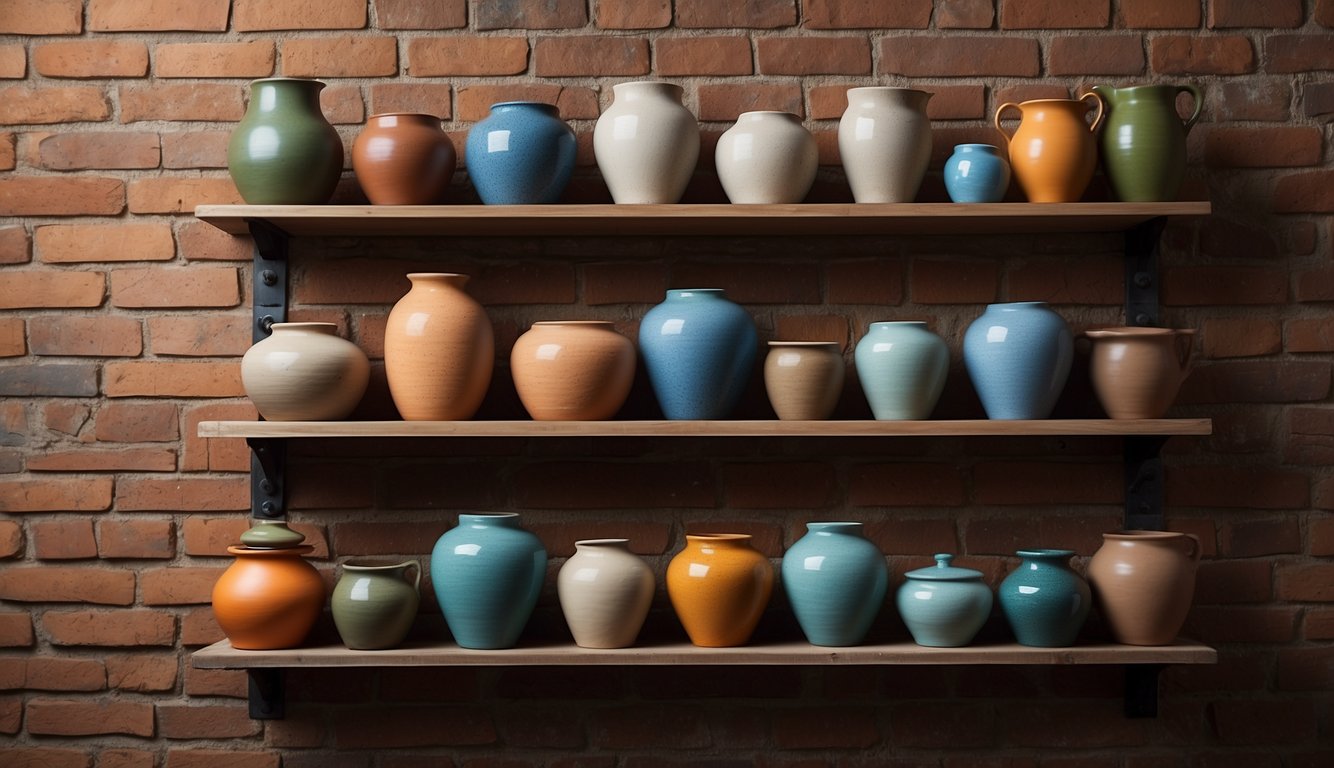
point(520, 154)
point(902, 368)
point(836, 582)
point(487, 574)
point(1018, 356)
point(699, 349)
point(976, 173)
point(944, 606)
point(1044, 600)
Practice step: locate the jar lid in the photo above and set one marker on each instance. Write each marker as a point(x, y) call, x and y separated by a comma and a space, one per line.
point(271, 534)
point(943, 571)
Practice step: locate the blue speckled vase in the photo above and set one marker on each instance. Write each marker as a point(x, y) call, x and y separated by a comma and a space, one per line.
point(698, 349)
point(836, 582)
point(944, 606)
point(520, 154)
point(902, 368)
point(1018, 356)
point(487, 573)
point(1044, 600)
point(976, 173)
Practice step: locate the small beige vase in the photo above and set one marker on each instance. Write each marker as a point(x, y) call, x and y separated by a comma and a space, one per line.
point(605, 592)
point(573, 370)
point(884, 139)
point(1137, 371)
point(305, 372)
point(767, 157)
point(1144, 581)
point(646, 143)
point(804, 378)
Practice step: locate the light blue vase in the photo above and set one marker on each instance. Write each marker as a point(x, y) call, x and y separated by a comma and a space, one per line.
point(902, 368)
point(944, 606)
point(520, 154)
point(1044, 600)
point(1018, 356)
point(699, 349)
point(976, 173)
point(836, 582)
point(487, 574)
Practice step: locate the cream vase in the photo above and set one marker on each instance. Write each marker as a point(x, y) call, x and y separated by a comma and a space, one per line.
point(767, 157)
point(305, 372)
point(884, 139)
point(646, 143)
point(605, 592)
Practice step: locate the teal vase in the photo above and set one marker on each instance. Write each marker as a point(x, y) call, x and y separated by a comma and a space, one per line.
point(487, 574)
point(1044, 600)
point(284, 152)
point(836, 582)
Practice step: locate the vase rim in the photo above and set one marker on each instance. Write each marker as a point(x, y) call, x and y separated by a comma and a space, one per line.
point(719, 537)
point(702, 291)
point(1040, 552)
point(887, 323)
point(372, 564)
point(632, 84)
point(1141, 535)
point(588, 323)
point(1126, 330)
point(889, 88)
point(446, 277)
point(300, 549)
point(427, 115)
point(619, 543)
point(977, 145)
point(763, 112)
point(844, 525)
point(321, 83)
point(1055, 101)
point(488, 516)
point(804, 344)
point(311, 325)
point(524, 103)
point(1017, 304)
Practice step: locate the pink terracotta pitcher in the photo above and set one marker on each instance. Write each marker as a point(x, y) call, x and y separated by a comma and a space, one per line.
point(1137, 371)
point(1144, 582)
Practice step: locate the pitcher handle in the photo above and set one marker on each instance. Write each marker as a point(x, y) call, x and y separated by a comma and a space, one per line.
point(417, 574)
point(1194, 553)
point(1185, 339)
point(1199, 103)
point(997, 118)
point(1097, 116)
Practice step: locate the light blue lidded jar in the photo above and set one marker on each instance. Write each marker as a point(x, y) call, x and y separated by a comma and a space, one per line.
point(944, 606)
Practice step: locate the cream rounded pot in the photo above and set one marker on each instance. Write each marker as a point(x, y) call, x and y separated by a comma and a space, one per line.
point(646, 143)
point(305, 372)
point(767, 157)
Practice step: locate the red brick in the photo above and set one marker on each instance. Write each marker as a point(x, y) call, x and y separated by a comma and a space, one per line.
point(1314, 285)
point(956, 56)
point(1317, 99)
point(54, 717)
point(83, 151)
point(1267, 14)
point(216, 455)
point(965, 14)
point(1241, 337)
point(1088, 281)
point(726, 101)
point(1309, 336)
point(193, 287)
point(340, 57)
point(87, 336)
point(412, 14)
point(1257, 382)
point(1249, 721)
point(633, 14)
point(1045, 482)
point(1221, 237)
point(679, 56)
point(157, 15)
point(53, 584)
point(1259, 538)
point(11, 538)
point(853, 14)
point(256, 15)
point(135, 539)
point(252, 59)
point(195, 149)
point(216, 682)
point(342, 105)
point(1306, 583)
point(101, 460)
point(1055, 14)
point(590, 55)
point(15, 629)
point(1309, 192)
point(8, 160)
point(44, 757)
point(204, 536)
point(91, 58)
point(954, 281)
point(790, 485)
point(1219, 55)
point(12, 342)
point(532, 14)
point(832, 727)
point(427, 98)
point(445, 56)
point(75, 243)
point(649, 725)
point(142, 672)
point(474, 102)
point(178, 101)
point(42, 17)
point(1305, 669)
point(211, 336)
point(195, 721)
point(52, 674)
point(63, 539)
point(1264, 147)
point(871, 281)
point(1082, 55)
point(66, 104)
point(1086, 724)
point(623, 283)
point(814, 328)
point(182, 495)
point(1224, 285)
point(50, 379)
point(158, 379)
point(905, 485)
point(1242, 624)
point(179, 195)
point(1237, 488)
point(109, 628)
point(1159, 14)
point(126, 758)
point(231, 758)
point(760, 14)
point(824, 55)
point(66, 417)
point(53, 196)
point(558, 485)
point(1250, 99)
point(1324, 13)
point(119, 422)
point(66, 495)
point(1319, 624)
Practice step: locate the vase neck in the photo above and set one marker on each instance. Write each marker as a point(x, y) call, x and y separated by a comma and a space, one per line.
point(438, 280)
point(273, 94)
point(647, 89)
point(600, 546)
point(525, 106)
point(498, 520)
point(715, 541)
point(696, 294)
point(844, 528)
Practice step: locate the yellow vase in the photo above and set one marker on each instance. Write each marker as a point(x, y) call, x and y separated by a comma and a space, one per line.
point(1053, 152)
point(719, 586)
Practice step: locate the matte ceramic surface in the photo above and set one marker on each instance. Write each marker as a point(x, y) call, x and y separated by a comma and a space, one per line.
point(902, 368)
point(403, 158)
point(305, 372)
point(1044, 600)
point(572, 370)
point(605, 593)
point(374, 605)
point(836, 581)
point(944, 606)
point(698, 349)
point(884, 139)
point(1053, 153)
point(766, 157)
point(271, 534)
point(976, 173)
point(1138, 371)
point(1018, 356)
point(719, 587)
point(1144, 140)
point(520, 154)
point(284, 151)
point(804, 378)
point(487, 573)
point(268, 598)
point(646, 143)
point(1143, 582)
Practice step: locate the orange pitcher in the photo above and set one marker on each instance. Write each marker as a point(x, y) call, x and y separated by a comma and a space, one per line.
point(1053, 152)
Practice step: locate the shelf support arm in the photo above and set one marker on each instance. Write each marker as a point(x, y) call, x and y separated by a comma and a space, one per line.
point(268, 478)
point(270, 277)
point(1142, 244)
point(267, 694)
point(1142, 690)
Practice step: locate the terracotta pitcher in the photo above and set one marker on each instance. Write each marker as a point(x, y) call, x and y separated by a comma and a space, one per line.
point(1053, 152)
point(1137, 371)
point(1144, 141)
point(1144, 581)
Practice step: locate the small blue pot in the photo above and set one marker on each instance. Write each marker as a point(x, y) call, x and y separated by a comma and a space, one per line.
point(487, 574)
point(520, 154)
point(944, 606)
point(902, 368)
point(836, 582)
point(1018, 356)
point(698, 349)
point(976, 173)
point(1044, 600)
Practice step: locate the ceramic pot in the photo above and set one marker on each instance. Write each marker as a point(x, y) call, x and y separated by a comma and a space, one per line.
point(283, 151)
point(767, 157)
point(403, 158)
point(1044, 600)
point(646, 143)
point(1143, 582)
point(305, 372)
point(1144, 140)
point(804, 378)
point(719, 586)
point(374, 605)
point(884, 139)
point(976, 173)
point(1018, 356)
point(578, 370)
point(520, 154)
point(836, 582)
point(1138, 371)
point(271, 534)
point(944, 606)
point(268, 598)
point(438, 350)
point(1053, 153)
point(605, 592)
point(902, 368)
point(487, 574)
point(698, 349)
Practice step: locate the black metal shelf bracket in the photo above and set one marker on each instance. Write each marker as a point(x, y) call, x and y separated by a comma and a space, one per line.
point(1142, 244)
point(270, 278)
point(268, 478)
point(267, 694)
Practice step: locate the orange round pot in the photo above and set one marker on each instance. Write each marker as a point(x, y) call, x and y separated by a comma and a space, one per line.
point(719, 586)
point(1053, 152)
point(403, 158)
point(1144, 582)
point(573, 370)
point(1137, 371)
point(268, 598)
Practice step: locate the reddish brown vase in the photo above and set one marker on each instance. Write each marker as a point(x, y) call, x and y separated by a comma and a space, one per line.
point(268, 598)
point(573, 370)
point(1144, 582)
point(403, 158)
point(1137, 371)
point(438, 350)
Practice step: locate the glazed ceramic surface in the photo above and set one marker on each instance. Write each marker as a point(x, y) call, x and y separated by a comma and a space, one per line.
point(403, 158)
point(1018, 356)
point(374, 605)
point(1144, 140)
point(487, 573)
point(520, 154)
point(271, 534)
point(804, 378)
point(719, 586)
point(646, 143)
point(884, 139)
point(1138, 371)
point(836, 581)
point(1044, 600)
point(1143, 582)
point(268, 598)
point(902, 368)
point(698, 349)
point(573, 370)
point(766, 157)
point(944, 606)
point(976, 173)
point(605, 592)
point(284, 151)
point(305, 372)
point(1053, 153)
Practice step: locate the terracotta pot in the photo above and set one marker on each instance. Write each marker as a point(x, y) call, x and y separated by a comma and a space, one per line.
point(767, 157)
point(646, 143)
point(305, 372)
point(804, 378)
point(719, 587)
point(573, 370)
point(268, 598)
point(403, 158)
point(1138, 371)
point(1144, 582)
point(1053, 153)
point(884, 139)
point(605, 593)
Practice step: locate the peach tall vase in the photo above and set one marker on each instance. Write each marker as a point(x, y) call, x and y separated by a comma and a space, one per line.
point(438, 350)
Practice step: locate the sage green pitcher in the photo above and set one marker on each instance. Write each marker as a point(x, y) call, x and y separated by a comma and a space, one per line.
point(375, 604)
point(1144, 140)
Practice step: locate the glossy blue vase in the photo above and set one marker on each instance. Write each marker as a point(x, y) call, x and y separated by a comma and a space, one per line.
point(836, 582)
point(1018, 356)
point(520, 154)
point(487, 573)
point(699, 349)
point(976, 173)
point(944, 606)
point(1044, 600)
point(902, 368)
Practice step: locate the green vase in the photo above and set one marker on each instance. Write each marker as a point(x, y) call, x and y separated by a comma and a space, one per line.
point(1144, 140)
point(374, 605)
point(284, 152)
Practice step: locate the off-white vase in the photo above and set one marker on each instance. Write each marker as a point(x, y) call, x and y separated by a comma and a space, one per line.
point(305, 372)
point(767, 157)
point(605, 592)
point(646, 143)
point(884, 139)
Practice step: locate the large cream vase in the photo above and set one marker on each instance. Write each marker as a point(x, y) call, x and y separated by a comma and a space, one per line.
point(646, 143)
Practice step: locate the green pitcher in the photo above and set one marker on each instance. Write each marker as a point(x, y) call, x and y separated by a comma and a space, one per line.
point(375, 604)
point(1144, 140)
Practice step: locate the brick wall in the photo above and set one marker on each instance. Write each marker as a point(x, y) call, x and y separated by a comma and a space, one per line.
point(122, 320)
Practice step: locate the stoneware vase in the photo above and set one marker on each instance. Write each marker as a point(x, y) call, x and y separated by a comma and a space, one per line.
point(902, 368)
point(403, 158)
point(284, 151)
point(305, 372)
point(605, 592)
point(944, 606)
point(1053, 153)
point(1144, 140)
point(1138, 371)
point(804, 378)
point(1018, 356)
point(487, 573)
point(698, 349)
point(976, 173)
point(374, 605)
point(884, 139)
point(1044, 600)
point(439, 350)
point(836, 581)
point(1143, 582)
point(520, 154)
point(578, 370)
point(766, 157)
point(719, 587)
point(268, 598)
point(646, 143)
